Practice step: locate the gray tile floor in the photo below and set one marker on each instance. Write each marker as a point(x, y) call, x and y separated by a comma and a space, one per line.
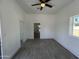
point(43, 49)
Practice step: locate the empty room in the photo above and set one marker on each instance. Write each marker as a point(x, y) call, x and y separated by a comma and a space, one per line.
point(39, 29)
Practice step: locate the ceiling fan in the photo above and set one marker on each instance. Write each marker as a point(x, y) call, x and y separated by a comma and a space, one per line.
point(43, 3)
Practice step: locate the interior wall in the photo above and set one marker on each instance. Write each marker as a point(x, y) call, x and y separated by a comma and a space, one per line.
point(10, 14)
point(51, 27)
point(46, 25)
point(62, 28)
point(17, 25)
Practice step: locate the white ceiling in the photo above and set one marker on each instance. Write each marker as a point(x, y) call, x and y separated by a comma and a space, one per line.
point(58, 5)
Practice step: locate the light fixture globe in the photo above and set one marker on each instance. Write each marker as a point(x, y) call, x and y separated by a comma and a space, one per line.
point(42, 4)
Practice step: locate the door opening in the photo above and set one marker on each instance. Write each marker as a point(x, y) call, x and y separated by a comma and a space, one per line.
point(36, 30)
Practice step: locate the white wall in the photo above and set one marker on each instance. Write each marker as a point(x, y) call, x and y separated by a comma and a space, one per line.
point(58, 28)
point(62, 28)
point(46, 28)
point(10, 14)
point(22, 31)
point(17, 25)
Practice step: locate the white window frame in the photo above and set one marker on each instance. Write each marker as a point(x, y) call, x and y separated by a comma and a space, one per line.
point(71, 27)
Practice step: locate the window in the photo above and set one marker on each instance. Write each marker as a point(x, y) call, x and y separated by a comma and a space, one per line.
point(74, 26)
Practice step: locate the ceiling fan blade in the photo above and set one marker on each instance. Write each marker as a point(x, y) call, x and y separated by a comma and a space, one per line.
point(49, 5)
point(36, 4)
point(42, 1)
point(47, 0)
point(41, 8)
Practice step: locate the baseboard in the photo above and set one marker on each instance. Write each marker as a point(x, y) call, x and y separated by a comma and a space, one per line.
point(41, 38)
point(46, 38)
point(30, 38)
point(66, 49)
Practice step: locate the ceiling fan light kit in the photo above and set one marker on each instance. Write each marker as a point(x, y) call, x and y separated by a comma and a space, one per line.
point(43, 3)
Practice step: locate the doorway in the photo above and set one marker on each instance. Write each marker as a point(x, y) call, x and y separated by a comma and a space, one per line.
point(36, 30)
